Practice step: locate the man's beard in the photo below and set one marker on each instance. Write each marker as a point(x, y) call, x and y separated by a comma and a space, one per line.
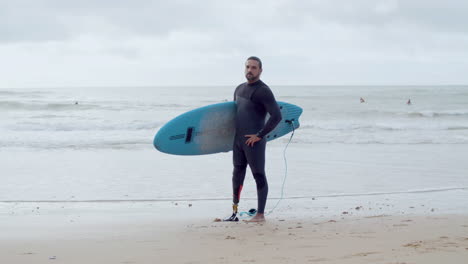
point(250, 76)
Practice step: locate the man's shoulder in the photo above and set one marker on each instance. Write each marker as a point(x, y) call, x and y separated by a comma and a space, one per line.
point(242, 84)
point(262, 92)
point(262, 87)
point(239, 87)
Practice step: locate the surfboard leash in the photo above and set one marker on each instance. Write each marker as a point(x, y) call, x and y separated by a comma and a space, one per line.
point(253, 211)
point(285, 167)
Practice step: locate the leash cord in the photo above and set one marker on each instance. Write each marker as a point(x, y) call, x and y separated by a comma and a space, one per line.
point(252, 213)
point(285, 168)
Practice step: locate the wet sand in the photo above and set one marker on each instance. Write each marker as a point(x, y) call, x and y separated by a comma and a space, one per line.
point(109, 237)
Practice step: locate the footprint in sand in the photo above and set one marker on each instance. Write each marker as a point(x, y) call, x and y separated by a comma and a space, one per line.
point(317, 260)
point(376, 216)
point(364, 254)
point(415, 244)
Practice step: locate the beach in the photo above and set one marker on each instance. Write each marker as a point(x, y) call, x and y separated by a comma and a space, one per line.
point(374, 182)
point(325, 218)
point(136, 233)
point(96, 97)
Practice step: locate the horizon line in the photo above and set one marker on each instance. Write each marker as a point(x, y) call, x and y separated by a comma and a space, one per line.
point(224, 85)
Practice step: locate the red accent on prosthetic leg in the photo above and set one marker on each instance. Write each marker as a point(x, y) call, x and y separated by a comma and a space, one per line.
point(240, 190)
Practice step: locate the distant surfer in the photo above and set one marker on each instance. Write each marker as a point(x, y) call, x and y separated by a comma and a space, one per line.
point(362, 100)
point(254, 100)
point(409, 102)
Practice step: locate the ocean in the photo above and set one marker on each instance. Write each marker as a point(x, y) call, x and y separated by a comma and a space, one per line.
point(95, 144)
point(127, 118)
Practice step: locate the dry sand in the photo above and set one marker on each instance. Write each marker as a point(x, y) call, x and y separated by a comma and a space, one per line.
point(349, 239)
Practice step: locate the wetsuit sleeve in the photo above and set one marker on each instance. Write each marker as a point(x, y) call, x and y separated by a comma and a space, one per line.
point(266, 98)
point(235, 92)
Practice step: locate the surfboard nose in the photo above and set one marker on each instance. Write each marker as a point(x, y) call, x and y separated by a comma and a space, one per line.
point(156, 140)
point(155, 144)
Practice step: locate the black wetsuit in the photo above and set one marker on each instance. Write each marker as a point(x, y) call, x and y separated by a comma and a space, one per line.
point(253, 102)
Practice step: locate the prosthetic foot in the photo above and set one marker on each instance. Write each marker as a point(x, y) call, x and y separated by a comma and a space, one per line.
point(233, 217)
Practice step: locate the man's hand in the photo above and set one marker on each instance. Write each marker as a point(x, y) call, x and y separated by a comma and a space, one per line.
point(252, 139)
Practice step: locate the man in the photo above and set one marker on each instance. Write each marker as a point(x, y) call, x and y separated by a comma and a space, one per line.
point(254, 100)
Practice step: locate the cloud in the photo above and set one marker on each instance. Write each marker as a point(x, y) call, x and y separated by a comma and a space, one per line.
point(42, 20)
point(52, 42)
point(447, 15)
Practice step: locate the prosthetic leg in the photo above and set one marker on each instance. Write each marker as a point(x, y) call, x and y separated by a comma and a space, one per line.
point(233, 217)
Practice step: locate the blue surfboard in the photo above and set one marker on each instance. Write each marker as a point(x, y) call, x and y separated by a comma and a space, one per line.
point(211, 129)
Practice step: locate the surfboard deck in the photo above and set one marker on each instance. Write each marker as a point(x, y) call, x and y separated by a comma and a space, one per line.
point(211, 129)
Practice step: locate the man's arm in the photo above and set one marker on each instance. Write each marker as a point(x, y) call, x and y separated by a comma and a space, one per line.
point(235, 91)
point(267, 99)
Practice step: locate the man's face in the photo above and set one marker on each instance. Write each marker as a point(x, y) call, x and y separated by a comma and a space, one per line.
point(252, 70)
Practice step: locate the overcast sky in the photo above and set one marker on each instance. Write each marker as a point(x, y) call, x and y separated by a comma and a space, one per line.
point(54, 43)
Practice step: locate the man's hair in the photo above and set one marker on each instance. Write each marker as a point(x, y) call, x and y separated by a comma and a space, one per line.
point(256, 59)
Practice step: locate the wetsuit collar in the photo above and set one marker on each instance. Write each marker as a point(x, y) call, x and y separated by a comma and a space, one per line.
point(254, 83)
